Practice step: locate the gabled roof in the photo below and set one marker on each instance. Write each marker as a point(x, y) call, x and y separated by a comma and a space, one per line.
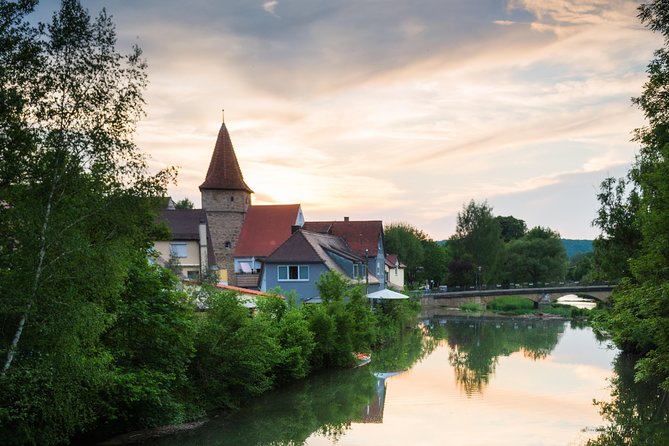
point(266, 228)
point(392, 260)
point(311, 247)
point(224, 172)
point(184, 224)
point(359, 235)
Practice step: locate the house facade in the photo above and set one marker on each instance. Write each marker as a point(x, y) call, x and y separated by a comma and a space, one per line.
point(365, 239)
point(394, 270)
point(299, 262)
point(190, 249)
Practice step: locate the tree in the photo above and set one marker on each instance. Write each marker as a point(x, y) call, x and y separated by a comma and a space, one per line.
point(581, 268)
point(477, 242)
point(621, 235)
point(76, 209)
point(512, 228)
point(184, 204)
point(435, 261)
point(539, 256)
point(405, 240)
point(639, 318)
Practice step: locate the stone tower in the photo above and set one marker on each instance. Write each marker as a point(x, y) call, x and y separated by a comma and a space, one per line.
point(225, 198)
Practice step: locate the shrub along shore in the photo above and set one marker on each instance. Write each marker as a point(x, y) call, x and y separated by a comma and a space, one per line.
point(169, 363)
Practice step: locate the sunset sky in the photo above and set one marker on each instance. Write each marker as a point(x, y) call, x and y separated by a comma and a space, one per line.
point(395, 110)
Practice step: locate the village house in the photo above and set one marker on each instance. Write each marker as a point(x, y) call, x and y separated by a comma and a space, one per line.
point(190, 249)
point(300, 261)
point(265, 229)
point(394, 272)
point(365, 239)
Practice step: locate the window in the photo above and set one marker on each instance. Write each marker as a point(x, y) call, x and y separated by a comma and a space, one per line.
point(194, 275)
point(178, 249)
point(293, 272)
point(227, 245)
point(359, 270)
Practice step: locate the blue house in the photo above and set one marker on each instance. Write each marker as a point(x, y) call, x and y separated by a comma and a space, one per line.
point(365, 240)
point(299, 262)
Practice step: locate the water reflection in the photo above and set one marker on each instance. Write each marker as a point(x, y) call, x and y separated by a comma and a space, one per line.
point(638, 413)
point(429, 388)
point(325, 404)
point(578, 302)
point(476, 344)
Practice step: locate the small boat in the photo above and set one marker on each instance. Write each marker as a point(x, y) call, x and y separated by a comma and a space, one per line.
point(362, 359)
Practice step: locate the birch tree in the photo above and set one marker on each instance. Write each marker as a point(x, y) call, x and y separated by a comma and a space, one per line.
point(75, 207)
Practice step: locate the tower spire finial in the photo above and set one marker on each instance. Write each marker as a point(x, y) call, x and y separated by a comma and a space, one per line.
point(222, 116)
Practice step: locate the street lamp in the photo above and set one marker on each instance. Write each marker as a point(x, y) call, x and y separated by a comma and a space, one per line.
point(478, 279)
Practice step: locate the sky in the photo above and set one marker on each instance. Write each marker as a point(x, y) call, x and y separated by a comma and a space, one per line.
point(393, 110)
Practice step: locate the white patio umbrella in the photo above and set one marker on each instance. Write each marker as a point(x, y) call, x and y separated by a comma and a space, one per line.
point(386, 294)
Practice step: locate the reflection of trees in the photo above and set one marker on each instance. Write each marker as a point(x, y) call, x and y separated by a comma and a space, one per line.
point(402, 354)
point(477, 344)
point(638, 413)
point(325, 404)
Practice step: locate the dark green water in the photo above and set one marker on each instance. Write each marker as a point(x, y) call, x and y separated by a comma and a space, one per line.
point(460, 381)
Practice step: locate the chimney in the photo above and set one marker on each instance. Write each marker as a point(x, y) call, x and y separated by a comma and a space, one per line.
point(345, 218)
point(294, 229)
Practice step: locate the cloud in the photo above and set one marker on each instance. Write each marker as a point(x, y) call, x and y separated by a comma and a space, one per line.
point(270, 6)
point(398, 112)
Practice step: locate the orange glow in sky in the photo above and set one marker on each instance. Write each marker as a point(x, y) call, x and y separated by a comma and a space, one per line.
point(396, 110)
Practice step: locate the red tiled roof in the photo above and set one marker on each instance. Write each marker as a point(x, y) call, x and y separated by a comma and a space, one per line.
point(243, 290)
point(360, 235)
point(224, 171)
point(265, 229)
point(392, 259)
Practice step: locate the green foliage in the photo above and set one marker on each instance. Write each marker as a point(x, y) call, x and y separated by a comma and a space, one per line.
point(235, 354)
point(511, 305)
point(404, 240)
point(184, 204)
point(511, 227)
point(471, 308)
point(477, 242)
point(621, 236)
point(581, 268)
point(633, 217)
point(76, 212)
point(151, 342)
point(539, 256)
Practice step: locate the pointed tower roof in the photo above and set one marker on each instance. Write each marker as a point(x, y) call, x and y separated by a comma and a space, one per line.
point(224, 172)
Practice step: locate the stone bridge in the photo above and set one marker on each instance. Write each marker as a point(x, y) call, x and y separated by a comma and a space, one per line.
point(600, 293)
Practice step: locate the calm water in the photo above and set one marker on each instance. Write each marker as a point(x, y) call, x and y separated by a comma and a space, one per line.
point(459, 382)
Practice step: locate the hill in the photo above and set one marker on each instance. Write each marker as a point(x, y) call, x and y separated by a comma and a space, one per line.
point(574, 247)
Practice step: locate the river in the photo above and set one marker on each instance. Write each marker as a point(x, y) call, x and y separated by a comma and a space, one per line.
point(458, 381)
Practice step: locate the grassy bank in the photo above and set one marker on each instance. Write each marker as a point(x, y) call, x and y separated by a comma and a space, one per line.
point(518, 305)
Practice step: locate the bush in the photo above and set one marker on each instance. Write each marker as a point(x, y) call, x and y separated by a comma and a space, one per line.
point(511, 304)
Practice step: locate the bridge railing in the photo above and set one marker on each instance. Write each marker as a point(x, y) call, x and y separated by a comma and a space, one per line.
point(515, 286)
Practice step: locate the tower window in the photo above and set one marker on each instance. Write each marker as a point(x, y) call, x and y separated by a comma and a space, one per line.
point(232, 198)
point(228, 245)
